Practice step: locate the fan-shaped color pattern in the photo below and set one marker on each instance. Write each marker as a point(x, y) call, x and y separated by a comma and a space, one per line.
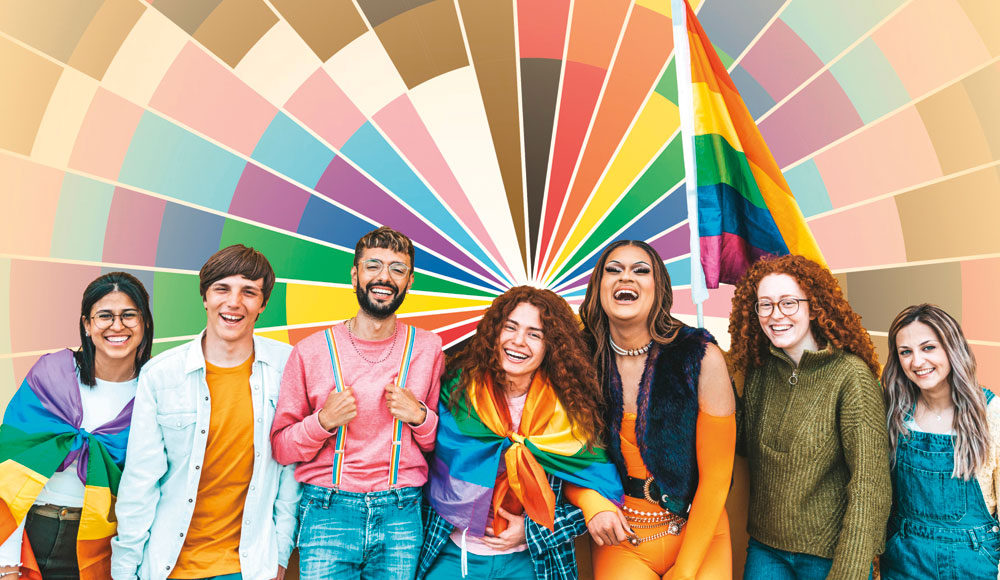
point(511, 140)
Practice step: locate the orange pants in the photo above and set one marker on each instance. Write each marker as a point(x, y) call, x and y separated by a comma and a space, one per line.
point(653, 559)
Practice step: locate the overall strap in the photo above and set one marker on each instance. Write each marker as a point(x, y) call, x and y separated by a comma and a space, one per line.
point(397, 425)
point(338, 385)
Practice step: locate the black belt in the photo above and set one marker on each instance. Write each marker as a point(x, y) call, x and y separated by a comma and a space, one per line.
point(648, 490)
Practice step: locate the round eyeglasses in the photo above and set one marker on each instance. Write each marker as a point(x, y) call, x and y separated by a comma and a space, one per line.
point(787, 306)
point(129, 318)
point(374, 266)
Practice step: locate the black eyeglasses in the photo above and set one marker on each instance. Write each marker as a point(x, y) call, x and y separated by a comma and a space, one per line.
point(129, 318)
point(787, 306)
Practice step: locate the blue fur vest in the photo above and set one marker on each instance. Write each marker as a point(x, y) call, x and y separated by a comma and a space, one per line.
point(668, 413)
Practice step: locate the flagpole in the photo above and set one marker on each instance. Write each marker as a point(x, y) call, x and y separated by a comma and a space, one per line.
point(685, 102)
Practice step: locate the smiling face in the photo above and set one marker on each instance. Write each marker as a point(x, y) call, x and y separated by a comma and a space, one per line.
point(923, 357)
point(116, 342)
point(791, 333)
point(233, 305)
point(628, 289)
point(380, 290)
point(522, 344)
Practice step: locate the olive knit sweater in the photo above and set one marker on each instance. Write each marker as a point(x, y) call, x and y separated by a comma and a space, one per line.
point(819, 458)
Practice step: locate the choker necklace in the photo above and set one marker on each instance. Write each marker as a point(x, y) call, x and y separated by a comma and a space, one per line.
point(629, 351)
point(350, 334)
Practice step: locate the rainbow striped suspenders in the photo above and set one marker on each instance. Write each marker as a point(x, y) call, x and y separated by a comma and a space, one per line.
point(397, 425)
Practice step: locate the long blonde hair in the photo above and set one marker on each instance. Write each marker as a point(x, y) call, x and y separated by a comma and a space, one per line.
point(969, 423)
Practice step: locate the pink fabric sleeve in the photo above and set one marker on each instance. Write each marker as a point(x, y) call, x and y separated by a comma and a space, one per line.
point(296, 434)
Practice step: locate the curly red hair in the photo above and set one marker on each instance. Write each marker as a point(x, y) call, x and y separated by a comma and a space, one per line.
point(833, 320)
point(566, 363)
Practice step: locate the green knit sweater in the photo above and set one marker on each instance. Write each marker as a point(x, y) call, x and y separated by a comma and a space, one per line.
point(819, 458)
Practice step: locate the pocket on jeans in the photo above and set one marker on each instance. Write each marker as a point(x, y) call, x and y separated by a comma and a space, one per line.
point(304, 505)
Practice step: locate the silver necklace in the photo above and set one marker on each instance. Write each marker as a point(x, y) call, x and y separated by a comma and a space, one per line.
point(629, 351)
point(350, 334)
point(933, 412)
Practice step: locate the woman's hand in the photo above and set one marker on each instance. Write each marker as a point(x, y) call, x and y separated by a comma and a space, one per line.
point(512, 537)
point(609, 528)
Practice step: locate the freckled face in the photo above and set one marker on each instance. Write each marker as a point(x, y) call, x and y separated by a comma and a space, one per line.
point(791, 333)
point(522, 343)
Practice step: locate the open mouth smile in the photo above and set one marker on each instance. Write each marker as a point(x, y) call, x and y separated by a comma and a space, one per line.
point(231, 318)
point(626, 295)
point(515, 356)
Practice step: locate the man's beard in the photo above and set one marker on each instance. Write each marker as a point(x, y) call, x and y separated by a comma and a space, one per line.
point(377, 310)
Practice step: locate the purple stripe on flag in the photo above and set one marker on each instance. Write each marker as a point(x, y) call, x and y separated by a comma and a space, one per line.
point(460, 503)
point(61, 391)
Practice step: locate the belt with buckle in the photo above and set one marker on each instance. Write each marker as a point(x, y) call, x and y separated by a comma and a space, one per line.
point(648, 490)
point(56, 511)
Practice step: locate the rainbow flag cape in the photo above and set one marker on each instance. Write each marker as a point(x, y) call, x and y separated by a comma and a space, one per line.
point(740, 207)
point(40, 435)
point(472, 440)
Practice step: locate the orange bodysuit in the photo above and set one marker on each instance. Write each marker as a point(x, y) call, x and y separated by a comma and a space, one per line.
point(702, 550)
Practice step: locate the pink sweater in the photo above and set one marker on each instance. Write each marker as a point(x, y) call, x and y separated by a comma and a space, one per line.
point(296, 435)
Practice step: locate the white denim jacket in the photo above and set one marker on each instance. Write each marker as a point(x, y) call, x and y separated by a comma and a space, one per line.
point(166, 447)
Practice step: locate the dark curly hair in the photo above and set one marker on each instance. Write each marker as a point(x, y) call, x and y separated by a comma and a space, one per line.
point(565, 363)
point(833, 320)
point(662, 326)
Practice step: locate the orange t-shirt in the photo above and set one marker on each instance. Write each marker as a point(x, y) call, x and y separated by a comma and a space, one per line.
point(213, 538)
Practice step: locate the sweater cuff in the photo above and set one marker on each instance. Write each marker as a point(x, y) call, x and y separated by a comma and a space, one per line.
point(314, 430)
point(428, 426)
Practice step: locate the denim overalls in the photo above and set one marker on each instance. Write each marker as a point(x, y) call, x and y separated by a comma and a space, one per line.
point(940, 527)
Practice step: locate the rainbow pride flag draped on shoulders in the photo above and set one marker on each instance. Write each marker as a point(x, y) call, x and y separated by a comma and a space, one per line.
point(40, 435)
point(472, 440)
point(740, 207)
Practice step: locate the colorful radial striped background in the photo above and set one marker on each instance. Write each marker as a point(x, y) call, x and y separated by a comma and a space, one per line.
point(510, 140)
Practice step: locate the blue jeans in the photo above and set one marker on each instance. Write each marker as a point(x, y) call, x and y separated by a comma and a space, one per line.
point(345, 535)
point(448, 566)
point(767, 563)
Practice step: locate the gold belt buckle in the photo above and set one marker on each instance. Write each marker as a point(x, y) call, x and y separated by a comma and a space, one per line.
point(645, 490)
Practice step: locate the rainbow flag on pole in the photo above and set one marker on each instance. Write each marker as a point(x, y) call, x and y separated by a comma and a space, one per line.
point(740, 207)
point(40, 435)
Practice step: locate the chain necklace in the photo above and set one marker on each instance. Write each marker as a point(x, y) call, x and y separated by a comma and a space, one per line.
point(350, 334)
point(629, 351)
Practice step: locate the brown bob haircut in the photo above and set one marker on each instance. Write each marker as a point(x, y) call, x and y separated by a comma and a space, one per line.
point(384, 237)
point(237, 260)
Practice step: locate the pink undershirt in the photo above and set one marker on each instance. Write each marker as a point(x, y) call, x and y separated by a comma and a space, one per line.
point(475, 544)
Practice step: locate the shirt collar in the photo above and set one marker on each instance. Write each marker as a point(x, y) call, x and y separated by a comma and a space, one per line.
point(264, 352)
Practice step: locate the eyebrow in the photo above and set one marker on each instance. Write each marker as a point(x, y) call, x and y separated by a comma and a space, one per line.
point(921, 344)
point(516, 323)
point(633, 263)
